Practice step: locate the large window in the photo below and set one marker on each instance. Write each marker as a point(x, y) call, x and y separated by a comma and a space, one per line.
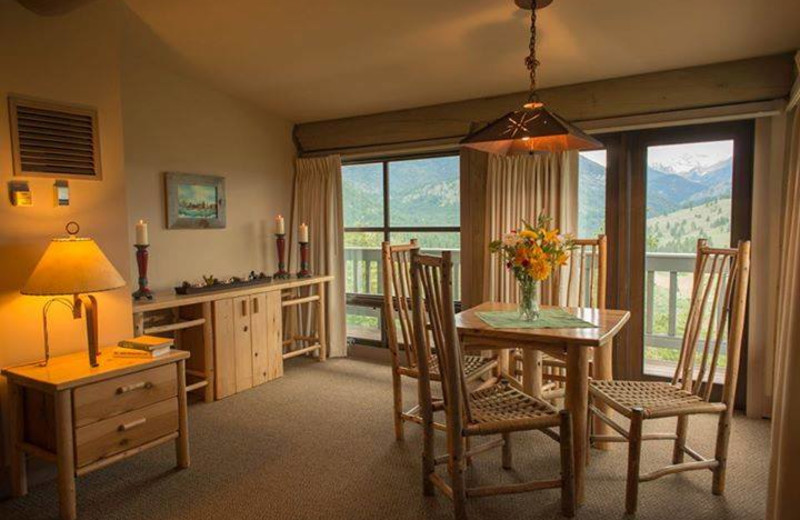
point(394, 200)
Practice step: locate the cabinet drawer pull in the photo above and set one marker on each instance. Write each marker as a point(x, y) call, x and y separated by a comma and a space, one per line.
point(131, 425)
point(255, 305)
point(146, 385)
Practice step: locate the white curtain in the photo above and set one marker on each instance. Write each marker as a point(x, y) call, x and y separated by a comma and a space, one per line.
point(783, 499)
point(318, 203)
point(522, 187)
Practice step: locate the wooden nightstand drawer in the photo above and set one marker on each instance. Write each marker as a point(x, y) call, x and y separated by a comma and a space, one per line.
point(106, 399)
point(123, 432)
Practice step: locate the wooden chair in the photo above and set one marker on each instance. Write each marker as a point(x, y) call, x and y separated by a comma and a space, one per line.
point(581, 283)
point(717, 312)
point(492, 409)
point(397, 310)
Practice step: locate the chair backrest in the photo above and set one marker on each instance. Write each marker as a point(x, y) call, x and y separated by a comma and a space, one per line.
point(582, 281)
point(397, 314)
point(715, 319)
point(432, 289)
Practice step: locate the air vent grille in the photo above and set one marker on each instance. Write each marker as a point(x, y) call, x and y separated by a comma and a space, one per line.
point(54, 140)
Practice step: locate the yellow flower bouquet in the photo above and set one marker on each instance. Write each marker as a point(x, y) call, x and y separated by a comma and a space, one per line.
point(532, 253)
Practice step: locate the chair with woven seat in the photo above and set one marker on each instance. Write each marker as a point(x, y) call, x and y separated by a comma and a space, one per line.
point(715, 321)
point(580, 283)
point(496, 408)
point(403, 346)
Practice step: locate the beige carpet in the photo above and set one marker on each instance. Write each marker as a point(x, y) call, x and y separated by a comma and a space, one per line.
point(318, 443)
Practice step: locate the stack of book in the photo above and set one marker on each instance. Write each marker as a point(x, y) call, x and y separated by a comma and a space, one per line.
point(143, 347)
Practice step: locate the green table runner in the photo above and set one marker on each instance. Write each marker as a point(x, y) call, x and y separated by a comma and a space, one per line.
point(548, 319)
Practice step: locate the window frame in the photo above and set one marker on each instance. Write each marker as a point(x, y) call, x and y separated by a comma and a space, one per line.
point(376, 300)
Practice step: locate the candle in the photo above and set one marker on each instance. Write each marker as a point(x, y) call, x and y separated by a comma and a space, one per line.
point(303, 233)
point(280, 228)
point(141, 233)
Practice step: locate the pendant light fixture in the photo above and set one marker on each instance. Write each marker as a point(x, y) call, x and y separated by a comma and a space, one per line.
point(533, 128)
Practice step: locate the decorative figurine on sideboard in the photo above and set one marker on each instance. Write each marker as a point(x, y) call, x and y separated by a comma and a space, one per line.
point(280, 238)
point(211, 283)
point(304, 272)
point(142, 257)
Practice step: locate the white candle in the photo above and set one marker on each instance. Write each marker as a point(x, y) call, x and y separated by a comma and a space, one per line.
point(303, 232)
point(141, 233)
point(280, 228)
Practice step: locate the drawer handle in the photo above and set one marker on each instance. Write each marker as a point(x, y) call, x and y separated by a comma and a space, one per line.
point(131, 425)
point(255, 305)
point(146, 385)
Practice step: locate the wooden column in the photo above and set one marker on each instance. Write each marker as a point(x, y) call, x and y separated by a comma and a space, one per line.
point(208, 352)
point(65, 456)
point(321, 335)
point(182, 442)
point(19, 475)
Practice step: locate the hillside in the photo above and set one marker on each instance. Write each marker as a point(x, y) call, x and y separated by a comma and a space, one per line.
point(668, 194)
point(677, 232)
point(425, 192)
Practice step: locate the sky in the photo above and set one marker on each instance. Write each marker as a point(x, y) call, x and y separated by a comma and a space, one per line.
point(678, 158)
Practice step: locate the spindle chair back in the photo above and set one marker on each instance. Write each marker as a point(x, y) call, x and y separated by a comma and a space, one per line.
point(494, 408)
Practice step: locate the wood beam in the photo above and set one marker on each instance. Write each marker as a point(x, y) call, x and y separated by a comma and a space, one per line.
point(742, 81)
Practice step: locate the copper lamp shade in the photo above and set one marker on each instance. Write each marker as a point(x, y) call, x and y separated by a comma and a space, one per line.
point(531, 129)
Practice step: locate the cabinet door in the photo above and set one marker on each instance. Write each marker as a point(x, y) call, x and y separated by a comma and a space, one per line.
point(242, 343)
point(259, 337)
point(224, 348)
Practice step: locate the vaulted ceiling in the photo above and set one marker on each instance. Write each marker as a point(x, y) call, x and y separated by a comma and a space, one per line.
point(309, 60)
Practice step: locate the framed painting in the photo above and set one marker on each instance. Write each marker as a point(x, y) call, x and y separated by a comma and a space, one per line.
point(194, 201)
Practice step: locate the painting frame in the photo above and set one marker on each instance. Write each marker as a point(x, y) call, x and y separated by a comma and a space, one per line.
point(194, 201)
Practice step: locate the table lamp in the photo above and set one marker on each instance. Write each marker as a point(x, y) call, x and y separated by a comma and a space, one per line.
point(73, 266)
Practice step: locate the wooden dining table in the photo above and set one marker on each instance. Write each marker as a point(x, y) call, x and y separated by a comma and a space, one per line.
point(574, 344)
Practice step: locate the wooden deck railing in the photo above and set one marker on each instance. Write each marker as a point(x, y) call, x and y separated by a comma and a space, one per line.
point(363, 273)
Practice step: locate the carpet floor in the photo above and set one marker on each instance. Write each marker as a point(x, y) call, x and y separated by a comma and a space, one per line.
point(319, 444)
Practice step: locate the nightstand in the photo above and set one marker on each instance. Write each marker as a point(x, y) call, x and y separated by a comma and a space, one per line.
point(85, 418)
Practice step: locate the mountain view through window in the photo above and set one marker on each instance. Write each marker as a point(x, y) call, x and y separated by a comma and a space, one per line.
point(396, 200)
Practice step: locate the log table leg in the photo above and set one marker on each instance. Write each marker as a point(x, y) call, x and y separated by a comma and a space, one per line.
point(577, 402)
point(532, 372)
point(603, 362)
point(65, 457)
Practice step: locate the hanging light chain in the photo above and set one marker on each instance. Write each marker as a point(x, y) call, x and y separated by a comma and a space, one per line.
point(530, 61)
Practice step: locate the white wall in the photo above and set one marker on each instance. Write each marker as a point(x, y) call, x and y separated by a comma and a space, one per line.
point(174, 123)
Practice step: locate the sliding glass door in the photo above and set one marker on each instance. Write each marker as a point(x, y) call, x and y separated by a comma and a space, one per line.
point(667, 188)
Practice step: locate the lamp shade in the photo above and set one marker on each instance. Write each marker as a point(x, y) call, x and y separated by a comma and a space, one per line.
point(531, 129)
point(71, 266)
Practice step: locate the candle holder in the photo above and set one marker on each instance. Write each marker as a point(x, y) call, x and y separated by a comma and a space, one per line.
point(281, 273)
point(142, 257)
point(304, 272)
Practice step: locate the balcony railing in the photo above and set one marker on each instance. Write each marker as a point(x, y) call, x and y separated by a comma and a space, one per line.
point(364, 269)
point(666, 273)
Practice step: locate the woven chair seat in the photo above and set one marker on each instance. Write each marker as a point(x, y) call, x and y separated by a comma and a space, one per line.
point(474, 366)
point(501, 408)
point(656, 399)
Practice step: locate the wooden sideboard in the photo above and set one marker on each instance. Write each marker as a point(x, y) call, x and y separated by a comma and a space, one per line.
point(84, 418)
point(238, 338)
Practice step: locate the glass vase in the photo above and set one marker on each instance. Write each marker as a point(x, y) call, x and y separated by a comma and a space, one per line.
point(529, 309)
